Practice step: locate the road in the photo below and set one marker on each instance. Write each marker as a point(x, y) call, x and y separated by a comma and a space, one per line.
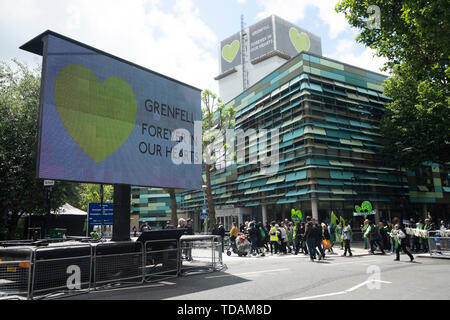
point(290, 277)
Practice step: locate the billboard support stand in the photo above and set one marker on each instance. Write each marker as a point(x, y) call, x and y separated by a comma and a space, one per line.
point(101, 208)
point(121, 213)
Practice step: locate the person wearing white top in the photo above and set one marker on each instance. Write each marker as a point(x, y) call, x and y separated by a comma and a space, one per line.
point(347, 239)
point(400, 237)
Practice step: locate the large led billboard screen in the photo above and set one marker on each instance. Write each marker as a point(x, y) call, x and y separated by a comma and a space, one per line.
point(105, 120)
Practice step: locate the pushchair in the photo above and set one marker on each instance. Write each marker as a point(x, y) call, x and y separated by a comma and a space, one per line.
point(242, 246)
point(230, 245)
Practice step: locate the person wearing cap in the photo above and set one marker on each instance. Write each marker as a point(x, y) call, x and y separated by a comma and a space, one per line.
point(181, 223)
point(400, 242)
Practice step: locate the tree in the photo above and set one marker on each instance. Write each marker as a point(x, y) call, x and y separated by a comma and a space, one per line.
point(173, 206)
point(216, 119)
point(20, 191)
point(416, 123)
point(90, 193)
point(414, 35)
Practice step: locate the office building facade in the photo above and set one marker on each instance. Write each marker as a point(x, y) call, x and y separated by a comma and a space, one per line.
point(326, 115)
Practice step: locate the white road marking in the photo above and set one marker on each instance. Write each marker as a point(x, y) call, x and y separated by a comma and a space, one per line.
point(167, 282)
point(246, 273)
point(322, 295)
point(365, 283)
point(342, 292)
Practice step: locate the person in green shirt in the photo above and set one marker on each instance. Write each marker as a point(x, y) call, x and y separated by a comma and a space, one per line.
point(364, 228)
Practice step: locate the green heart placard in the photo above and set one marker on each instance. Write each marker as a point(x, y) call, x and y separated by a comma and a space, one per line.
point(98, 116)
point(230, 51)
point(299, 40)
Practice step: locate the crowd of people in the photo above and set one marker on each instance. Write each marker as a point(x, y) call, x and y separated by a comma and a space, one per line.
point(318, 239)
point(383, 235)
point(287, 237)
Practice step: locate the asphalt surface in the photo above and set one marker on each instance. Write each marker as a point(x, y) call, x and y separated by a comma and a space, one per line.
point(290, 277)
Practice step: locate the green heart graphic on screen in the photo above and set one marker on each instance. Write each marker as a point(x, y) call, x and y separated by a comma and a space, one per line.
point(98, 116)
point(299, 40)
point(230, 51)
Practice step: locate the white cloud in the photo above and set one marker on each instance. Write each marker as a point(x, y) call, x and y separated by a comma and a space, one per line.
point(295, 10)
point(346, 52)
point(175, 43)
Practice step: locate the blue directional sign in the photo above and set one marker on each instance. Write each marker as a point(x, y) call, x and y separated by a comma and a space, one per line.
point(95, 214)
point(203, 214)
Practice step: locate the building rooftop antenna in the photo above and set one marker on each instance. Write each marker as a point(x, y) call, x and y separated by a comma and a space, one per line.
point(244, 54)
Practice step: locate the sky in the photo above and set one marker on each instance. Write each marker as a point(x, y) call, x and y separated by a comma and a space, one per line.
point(177, 38)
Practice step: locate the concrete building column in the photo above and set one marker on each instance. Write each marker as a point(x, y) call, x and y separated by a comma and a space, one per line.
point(264, 215)
point(315, 209)
point(377, 214)
point(240, 219)
point(425, 211)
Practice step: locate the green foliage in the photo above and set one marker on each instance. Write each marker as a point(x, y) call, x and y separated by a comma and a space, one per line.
point(20, 191)
point(216, 119)
point(416, 123)
point(414, 36)
point(413, 31)
point(90, 193)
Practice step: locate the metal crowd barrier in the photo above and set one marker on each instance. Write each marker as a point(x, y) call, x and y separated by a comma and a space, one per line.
point(15, 273)
point(54, 271)
point(162, 259)
point(69, 273)
point(439, 243)
point(111, 267)
point(201, 254)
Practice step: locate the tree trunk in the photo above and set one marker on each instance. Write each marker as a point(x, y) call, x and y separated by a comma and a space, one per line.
point(173, 206)
point(13, 226)
point(209, 198)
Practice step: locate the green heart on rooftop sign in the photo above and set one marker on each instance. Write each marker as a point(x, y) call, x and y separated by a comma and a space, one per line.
point(98, 116)
point(230, 51)
point(299, 40)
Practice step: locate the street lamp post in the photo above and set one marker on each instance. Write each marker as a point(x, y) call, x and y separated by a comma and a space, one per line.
point(205, 223)
point(354, 179)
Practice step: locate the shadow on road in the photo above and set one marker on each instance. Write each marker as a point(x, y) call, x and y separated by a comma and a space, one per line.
point(171, 288)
